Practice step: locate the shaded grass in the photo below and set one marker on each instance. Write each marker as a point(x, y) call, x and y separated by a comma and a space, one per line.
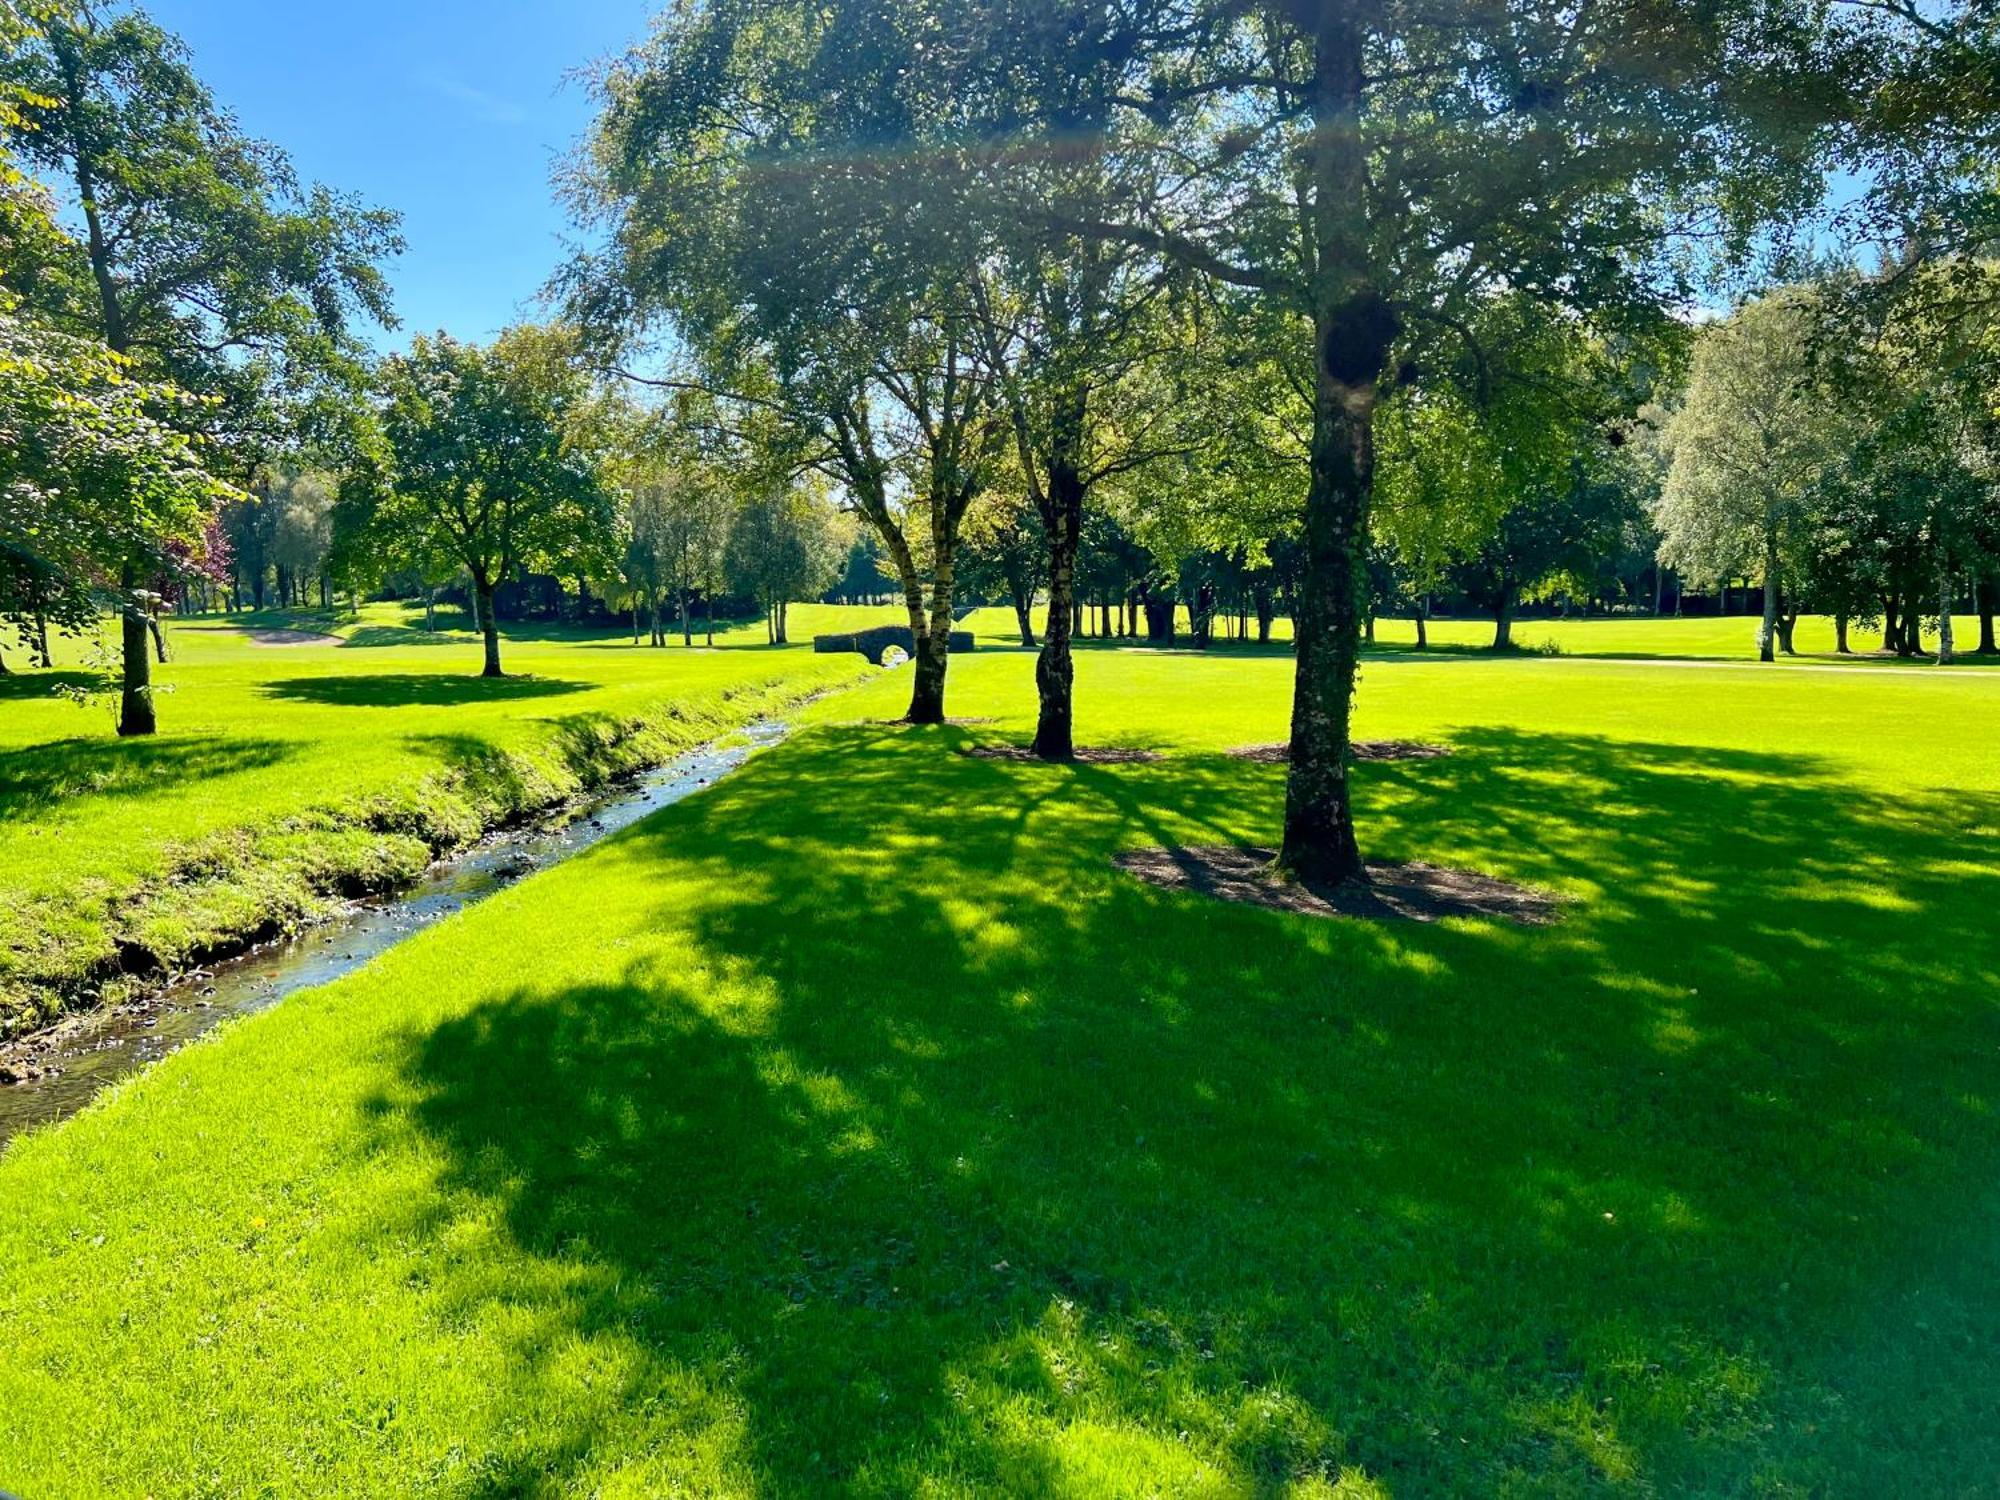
point(802, 1140)
point(33, 780)
point(413, 689)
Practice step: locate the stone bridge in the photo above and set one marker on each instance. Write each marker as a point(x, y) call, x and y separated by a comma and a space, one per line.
point(875, 642)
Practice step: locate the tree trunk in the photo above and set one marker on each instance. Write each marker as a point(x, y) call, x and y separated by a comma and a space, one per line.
point(1423, 623)
point(1986, 589)
point(158, 634)
point(1840, 636)
point(1946, 652)
point(1788, 623)
point(933, 655)
point(489, 624)
point(779, 613)
point(1024, 607)
point(1055, 668)
point(926, 685)
point(928, 667)
point(1909, 629)
point(1201, 616)
point(1354, 330)
point(1659, 588)
point(1503, 617)
point(1767, 633)
point(135, 709)
point(1266, 611)
point(43, 655)
point(687, 622)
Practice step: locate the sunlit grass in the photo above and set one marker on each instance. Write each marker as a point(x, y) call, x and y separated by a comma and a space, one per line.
point(285, 770)
point(856, 1127)
point(1730, 638)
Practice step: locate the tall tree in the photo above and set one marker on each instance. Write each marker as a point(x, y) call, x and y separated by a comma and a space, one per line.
point(488, 454)
point(1750, 441)
point(1100, 376)
point(1003, 554)
point(301, 506)
point(101, 487)
point(785, 543)
point(202, 258)
point(797, 279)
point(680, 514)
point(1370, 171)
point(1435, 497)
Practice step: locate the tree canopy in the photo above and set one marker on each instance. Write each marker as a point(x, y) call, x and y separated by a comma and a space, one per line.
point(487, 455)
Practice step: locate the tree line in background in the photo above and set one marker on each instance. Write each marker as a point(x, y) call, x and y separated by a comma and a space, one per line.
point(1302, 308)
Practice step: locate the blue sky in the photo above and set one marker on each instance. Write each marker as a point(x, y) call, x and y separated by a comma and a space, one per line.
point(449, 111)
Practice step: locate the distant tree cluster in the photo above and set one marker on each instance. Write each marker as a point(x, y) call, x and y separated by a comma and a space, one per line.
point(1850, 464)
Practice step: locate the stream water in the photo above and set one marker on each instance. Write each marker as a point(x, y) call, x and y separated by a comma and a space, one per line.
point(62, 1069)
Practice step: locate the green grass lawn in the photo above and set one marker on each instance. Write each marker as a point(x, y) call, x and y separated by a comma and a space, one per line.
point(1729, 638)
point(855, 1127)
point(285, 773)
point(1732, 638)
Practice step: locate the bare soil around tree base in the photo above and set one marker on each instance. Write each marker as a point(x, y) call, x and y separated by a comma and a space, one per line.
point(950, 723)
point(1105, 755)
point(1395, 892)
point(1364, 750)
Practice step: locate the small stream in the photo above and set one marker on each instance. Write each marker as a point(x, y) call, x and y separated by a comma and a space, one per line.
point(69, 1064)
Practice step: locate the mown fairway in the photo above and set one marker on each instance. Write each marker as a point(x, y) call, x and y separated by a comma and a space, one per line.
point(1725, 638)
point(290, 771)
point(286, 771)
point(856, 1126)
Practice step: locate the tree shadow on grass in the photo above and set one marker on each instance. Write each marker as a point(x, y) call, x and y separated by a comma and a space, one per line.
point(455, 627)
point(38, 683)
point(33, 779)
point(460, 635)
point(946, 1155)
point(585, 743)
point(414, 689)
